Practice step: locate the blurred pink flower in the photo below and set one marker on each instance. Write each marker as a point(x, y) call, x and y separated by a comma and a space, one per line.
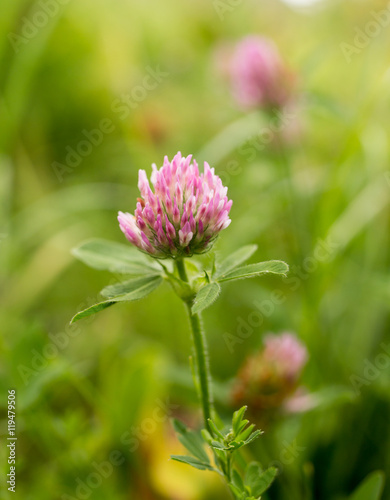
point(258, 74)
point(287, 355)
point(184, 214)
point(270, 377)
point(300, 401)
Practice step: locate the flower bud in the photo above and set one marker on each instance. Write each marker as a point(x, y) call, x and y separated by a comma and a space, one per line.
point(270, 377)
point(259, 77)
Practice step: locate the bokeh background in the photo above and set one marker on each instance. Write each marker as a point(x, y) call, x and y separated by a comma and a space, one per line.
point(84, 392)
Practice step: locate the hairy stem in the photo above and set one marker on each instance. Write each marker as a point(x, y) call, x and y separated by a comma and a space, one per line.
point(181, 270)
point(200, 345)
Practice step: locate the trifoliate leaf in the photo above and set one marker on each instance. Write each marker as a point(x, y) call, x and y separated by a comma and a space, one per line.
point(214, 429)
point(191, 440)
point(135, 288)
point(218, 445)
point(205, 297)
point(253, 436)
point(264, 481)
point(236, 491)
point(237, 419)
point(252, 270)
point(146, 285)
point(237, 480)
point(115, 257)
point(234, 260)
point(194, 462)
point(252, 473)
point(244, 434)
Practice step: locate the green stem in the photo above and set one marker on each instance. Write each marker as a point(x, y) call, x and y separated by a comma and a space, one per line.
point(200, 345)
point(229, 466)
point(182, 270)
point(202, 363)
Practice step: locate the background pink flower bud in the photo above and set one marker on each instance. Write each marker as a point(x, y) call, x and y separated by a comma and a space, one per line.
point(268, 378)
point(259, 77)
point(184, 214)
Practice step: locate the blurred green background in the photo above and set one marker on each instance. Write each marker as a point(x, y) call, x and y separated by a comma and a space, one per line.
point(82, 392)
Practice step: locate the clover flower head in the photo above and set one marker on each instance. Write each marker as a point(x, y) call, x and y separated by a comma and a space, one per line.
point(259, 76)
point(184, 213)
